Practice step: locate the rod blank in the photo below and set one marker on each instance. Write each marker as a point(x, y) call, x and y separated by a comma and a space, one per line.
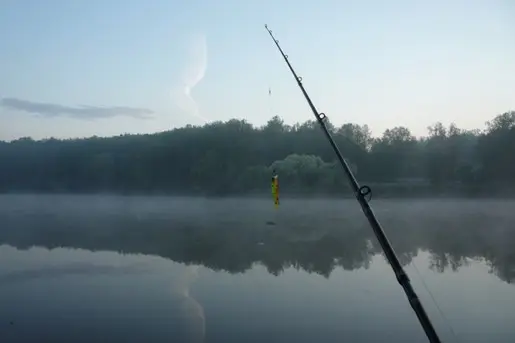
point(361, 193)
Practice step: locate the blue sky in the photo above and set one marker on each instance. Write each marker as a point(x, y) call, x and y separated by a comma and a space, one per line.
point(383, 63)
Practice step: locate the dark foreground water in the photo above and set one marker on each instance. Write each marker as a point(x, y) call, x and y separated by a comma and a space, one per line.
point(138, 269)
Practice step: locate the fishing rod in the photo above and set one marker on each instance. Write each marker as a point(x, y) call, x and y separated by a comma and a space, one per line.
point(361, 193)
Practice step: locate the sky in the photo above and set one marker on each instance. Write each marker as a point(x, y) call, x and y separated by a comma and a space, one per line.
point(91, 67)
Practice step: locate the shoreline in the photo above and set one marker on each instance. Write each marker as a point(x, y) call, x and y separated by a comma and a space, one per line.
point(261, 195)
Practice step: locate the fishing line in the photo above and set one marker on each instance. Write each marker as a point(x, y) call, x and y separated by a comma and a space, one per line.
point(456, 338)
point(361, 193)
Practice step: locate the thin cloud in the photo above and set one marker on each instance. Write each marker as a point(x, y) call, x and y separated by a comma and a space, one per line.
point(82, 112)
point(192, 74)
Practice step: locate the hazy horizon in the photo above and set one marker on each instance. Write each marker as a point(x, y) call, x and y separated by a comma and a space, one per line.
point(93, 135)
point(107, 68)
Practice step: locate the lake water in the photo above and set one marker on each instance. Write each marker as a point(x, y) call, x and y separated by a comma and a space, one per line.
point(164, 269)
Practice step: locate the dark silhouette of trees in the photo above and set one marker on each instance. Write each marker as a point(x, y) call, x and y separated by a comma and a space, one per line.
point(234, 157)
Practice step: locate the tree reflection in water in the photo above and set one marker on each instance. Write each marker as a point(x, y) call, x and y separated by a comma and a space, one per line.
point(314, 243)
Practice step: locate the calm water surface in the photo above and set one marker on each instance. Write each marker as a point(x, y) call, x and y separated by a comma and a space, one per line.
point(150, 269)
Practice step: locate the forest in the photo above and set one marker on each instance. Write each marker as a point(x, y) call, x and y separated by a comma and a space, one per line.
point(236, 158)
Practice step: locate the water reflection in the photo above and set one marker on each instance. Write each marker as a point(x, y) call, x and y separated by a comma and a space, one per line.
point(76, 295)
point(132, 269)
point(220, 236)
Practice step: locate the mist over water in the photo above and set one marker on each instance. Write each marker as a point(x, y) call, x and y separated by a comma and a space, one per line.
point(167, 269)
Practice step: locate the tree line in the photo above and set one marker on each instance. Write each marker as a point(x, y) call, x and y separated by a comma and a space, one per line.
point(234, 157)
